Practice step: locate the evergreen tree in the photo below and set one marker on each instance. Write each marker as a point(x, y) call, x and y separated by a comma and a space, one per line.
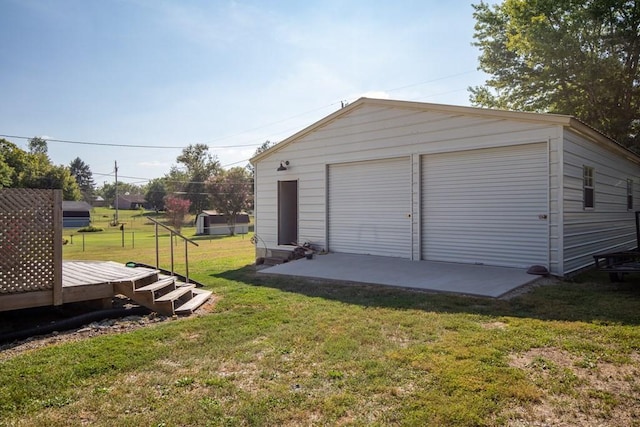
point(83, 176)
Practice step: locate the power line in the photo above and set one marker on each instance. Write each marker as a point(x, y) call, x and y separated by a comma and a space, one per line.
point(107, 144)
point(237, 134)
point(174, 147)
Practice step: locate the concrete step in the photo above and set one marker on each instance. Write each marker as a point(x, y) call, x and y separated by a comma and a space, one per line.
point(275, 260)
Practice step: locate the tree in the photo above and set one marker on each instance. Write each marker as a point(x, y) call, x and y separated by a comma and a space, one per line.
point(176, 210)
point(230, 193)
point(155, 193)
point(562, 56)
point(261, 149)
point(199, 166)
point(38, 145)
point(15, 160)
point(83, 176)
point(35, 170)
point(5, 173)
point(60, 177)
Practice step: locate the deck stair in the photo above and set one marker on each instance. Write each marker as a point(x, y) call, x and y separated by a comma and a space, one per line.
point(163, 294)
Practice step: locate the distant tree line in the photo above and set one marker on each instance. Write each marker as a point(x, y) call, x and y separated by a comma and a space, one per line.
point(195, 183)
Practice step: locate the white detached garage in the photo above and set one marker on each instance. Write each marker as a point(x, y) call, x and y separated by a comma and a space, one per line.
point(443, 183)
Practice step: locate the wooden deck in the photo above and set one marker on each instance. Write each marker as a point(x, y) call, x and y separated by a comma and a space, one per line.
point(102, 280)
point(94, 280)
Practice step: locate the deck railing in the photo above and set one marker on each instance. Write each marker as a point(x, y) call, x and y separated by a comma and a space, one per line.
point(30, 248)
point(174, 233)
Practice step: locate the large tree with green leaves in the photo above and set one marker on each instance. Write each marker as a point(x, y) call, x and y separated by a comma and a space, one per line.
point(576, 57)
point(230, 193)
point(21, 169)
point(198, 166)
point(155, 193)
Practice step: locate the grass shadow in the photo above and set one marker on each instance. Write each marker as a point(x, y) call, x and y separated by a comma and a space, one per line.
point(587, 298)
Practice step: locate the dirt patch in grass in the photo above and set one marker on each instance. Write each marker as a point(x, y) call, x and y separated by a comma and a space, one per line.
point(537, 283)
point(494, 325)
point(580, 391)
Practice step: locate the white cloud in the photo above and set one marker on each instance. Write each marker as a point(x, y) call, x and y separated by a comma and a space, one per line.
point(154, 164)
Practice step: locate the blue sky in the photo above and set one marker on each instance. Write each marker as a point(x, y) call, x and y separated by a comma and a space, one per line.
point(231, 74)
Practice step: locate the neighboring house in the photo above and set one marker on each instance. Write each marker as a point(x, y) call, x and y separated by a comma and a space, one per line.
point(98, 202)
point(214, 223)
point(445, 183)
point(76, 214)
point(131, 201)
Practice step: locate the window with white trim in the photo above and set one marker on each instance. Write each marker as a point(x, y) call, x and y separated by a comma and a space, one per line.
point(588, 188)
point(629, 194)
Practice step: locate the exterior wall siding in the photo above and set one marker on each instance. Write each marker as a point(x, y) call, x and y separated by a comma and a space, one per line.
point(374, 133)
point(609, 226)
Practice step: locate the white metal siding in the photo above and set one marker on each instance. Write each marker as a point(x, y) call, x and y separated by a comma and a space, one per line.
point(609, 226)
point(483, 206)
point(369, 203)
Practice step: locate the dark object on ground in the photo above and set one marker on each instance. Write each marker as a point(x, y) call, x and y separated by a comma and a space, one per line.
point(617, 264)
point(539, 270)
point(72, 323)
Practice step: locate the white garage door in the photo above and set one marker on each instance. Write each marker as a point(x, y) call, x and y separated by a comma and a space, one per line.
point(486, 206)
point(369, 203)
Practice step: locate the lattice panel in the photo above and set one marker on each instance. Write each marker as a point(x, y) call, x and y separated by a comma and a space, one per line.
point(27, 232)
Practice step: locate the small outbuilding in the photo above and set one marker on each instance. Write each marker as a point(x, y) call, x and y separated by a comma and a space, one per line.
point(447, 183)
point(76, 214)
point(215, 223)
point(131, 201)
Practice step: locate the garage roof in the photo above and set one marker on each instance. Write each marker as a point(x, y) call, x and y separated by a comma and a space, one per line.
point(554, 119)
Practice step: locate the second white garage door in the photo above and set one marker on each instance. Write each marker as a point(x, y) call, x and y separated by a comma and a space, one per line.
point(486, 206)
point(369, 203)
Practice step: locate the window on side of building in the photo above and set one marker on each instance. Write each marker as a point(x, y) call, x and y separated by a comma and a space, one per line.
point(629, 194)
point(588, 187)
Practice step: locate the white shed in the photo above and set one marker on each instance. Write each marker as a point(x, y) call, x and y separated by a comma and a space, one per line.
point(446, 183)
point(215, 223)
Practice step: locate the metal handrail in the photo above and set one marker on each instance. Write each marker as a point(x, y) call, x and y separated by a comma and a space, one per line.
point(186, 248)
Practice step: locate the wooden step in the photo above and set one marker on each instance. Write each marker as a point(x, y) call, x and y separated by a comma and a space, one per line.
point(199, 298)
point(144, 278)
point(167, 304)
point(159, 288)
point(176, 293)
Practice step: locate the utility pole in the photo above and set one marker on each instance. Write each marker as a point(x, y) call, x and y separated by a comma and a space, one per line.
point(116, 199)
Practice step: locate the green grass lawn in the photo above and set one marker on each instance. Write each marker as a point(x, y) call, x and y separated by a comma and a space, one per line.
point(281, 351)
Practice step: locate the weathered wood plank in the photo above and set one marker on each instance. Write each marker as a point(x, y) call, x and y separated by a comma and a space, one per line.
point(57, 248)
point(26, 300)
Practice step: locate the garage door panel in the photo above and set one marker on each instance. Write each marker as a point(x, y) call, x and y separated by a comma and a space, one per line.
point(368, 206)
point(482, 206)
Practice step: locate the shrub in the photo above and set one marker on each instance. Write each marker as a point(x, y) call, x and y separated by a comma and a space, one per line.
point(89, 229)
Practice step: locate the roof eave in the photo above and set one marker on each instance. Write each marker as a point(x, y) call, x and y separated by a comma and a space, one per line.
point(546, 118)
